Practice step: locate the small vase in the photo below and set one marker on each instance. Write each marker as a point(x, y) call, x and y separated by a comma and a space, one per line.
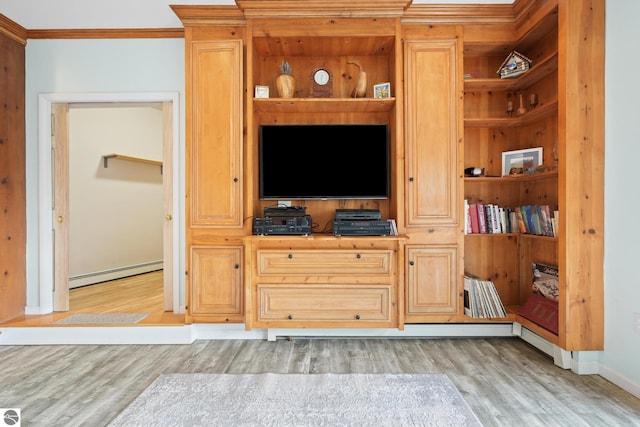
point(285, 85)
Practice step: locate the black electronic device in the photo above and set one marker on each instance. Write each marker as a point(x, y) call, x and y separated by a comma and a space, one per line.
point(324, 161)
point(357, 214)
point(284, 225)
point(278, 211)
point(362, 228)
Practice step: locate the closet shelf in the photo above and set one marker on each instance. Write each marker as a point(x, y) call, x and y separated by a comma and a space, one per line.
point(107, 157)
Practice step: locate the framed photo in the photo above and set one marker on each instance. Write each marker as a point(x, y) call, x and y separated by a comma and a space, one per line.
point(521, 161)
point(261, 91)
point(382, 90)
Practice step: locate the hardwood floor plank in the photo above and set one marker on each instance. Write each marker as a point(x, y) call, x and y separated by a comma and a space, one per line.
point(142, 293)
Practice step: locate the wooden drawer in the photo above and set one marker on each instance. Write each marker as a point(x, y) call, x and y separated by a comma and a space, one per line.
point(344, 303)
point(317, 262)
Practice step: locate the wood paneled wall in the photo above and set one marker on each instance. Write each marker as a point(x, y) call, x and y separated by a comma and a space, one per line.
point(12, 173)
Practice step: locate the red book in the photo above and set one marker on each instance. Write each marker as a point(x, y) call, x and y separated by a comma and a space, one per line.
point(473, 213)
point(541, 311)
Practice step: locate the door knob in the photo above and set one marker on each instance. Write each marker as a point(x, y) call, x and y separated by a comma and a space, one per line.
point(60, 219)
point(168, 217)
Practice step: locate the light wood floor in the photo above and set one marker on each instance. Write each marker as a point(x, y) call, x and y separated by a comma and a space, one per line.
point(142, 293)
point(505, 381)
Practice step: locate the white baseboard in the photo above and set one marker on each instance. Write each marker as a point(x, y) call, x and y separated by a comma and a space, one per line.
point(97, 335)
point(410, 331)
point(620, 380)
point(206, 331)
point(113, 274)
point(33, 310)
point(580, 362)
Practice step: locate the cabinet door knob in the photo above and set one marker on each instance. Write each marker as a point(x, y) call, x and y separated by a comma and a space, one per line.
point(236, 266)
point(411, 179)
point(410, 262)
point(289, 256)
point(357, 317)
point(358, 256)
point(289, 317)
point(235, 179)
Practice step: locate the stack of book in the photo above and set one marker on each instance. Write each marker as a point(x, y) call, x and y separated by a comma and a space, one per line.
point(481, 218)
point(481, 299)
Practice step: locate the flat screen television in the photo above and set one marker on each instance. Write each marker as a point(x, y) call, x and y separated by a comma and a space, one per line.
point(326, 161)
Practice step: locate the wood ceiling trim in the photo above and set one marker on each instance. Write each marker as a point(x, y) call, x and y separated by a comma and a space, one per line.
point(13, 30)
point(131, 33)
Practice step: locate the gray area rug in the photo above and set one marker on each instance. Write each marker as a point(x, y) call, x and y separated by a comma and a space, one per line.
point(102, 318)
point(299, 400)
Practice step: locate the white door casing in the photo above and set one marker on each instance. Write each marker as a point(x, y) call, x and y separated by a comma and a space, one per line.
point(49, 219)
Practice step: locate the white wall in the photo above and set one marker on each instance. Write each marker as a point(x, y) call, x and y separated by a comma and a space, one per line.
point(621, 357)
point(94, 66)
point(115, 213)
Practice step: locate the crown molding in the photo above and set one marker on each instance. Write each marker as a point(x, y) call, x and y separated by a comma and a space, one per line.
point(322, 8)
point(209, 15)
point(13, 30)
point(459, 14)
point(106, 33)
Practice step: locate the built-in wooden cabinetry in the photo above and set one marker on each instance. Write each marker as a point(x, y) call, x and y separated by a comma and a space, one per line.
point(440, 123)
point(215, 178)
point(433, 142)
point(322, 281)
point(564, 40)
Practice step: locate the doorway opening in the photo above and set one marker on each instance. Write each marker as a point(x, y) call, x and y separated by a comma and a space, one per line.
point(54, 197)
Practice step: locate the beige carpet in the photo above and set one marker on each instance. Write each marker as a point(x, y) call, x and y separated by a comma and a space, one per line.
point(102, 318)
point(374, 400)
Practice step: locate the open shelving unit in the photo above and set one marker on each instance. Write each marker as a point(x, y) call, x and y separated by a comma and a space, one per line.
point(505, 258)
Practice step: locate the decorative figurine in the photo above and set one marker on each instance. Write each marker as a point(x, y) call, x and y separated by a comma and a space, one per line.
point(360, 90)
point(285, 83)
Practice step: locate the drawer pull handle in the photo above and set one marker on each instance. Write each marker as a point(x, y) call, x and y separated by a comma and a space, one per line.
point(357, 317)
point(289, 256)
point(358, 256)
point(289, 317)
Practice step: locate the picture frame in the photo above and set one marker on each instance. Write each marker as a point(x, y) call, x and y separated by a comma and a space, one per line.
point(519, 162)
point(261, 92)
point(382, 90)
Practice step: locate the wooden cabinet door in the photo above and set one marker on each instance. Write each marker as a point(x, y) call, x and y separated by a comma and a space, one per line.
point(216, 282)
point(214, 134)
point(432, 278)
point(432, 128)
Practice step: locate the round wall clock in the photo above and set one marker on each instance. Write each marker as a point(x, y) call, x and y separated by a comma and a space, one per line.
point(321, 76)
point(321, 83)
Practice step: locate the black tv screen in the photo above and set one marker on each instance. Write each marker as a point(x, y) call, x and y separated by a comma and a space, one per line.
point(349, 161)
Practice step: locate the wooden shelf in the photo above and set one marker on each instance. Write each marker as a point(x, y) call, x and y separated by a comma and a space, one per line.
point(114, 156)
point(536, 73)
point(323, 105)
point(518, 235)
point(543, 110)
point(512, 178)
point(538, 330)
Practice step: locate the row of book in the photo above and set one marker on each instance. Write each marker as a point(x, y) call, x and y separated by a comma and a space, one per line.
point(487, 218)
point(481, 299)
